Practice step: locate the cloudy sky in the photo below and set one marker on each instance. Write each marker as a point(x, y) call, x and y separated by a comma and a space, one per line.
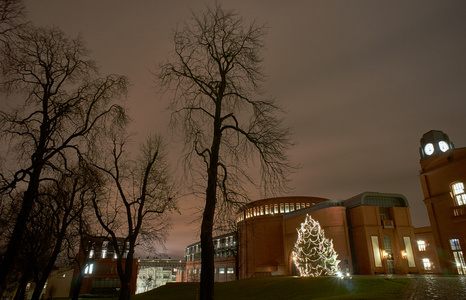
point(361, 82)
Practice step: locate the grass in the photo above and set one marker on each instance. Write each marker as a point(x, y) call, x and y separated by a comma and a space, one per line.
point(325, 288)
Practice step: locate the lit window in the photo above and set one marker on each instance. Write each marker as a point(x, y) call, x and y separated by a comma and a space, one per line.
point(303, 205)
point(458, 256)
point(282, 208)
point(266, 209)
point(455, 244)
point(88, 269)
point(458, 193)
point(287, 207)
point(262, 210)
point(221, 270)
point(376, 251)
point(230, 270)
point(298, 206)
point(421, 245)
point(91, 253)
point(276, 208)
point(291, 206)
point(427, 264)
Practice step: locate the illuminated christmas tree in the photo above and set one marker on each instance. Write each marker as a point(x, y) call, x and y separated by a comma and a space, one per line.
point(313, 253)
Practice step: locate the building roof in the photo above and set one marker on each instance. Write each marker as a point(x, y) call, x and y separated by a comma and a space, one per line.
point(376, 199)
point(315, 207)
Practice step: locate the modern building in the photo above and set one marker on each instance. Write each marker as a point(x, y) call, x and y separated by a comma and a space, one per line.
point(226, 256)
point(443, 178)
point(153, 273)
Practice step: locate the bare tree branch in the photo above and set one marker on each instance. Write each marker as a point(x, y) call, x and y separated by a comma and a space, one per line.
point(215, 75)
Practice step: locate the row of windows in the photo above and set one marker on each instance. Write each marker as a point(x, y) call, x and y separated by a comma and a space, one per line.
point(222, 247)
point(221, 270)
point(218, 254)
point(100, 269)
point(271, 209)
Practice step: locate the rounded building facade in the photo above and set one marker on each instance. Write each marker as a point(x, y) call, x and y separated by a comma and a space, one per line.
point(371, 232)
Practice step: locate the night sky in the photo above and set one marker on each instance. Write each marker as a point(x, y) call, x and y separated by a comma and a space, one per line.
point(361, 82)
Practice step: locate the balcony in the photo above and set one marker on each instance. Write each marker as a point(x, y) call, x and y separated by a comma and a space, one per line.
point(388, 224)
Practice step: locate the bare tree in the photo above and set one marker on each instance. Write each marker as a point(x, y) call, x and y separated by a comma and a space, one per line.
point(12, 14)
point(65, 202)
point(216, 78)
point(65, 107)
point(144, 193)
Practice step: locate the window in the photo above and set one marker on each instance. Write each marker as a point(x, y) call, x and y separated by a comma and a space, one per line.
point(421, 245)
point(409, 251)
point(384, 213)
point(266, 209)
point(458, 193)
point(458, 256)
point(262, 210)
point(376, 251)
point(298, 206)
point(88, 269)
point(287, 208)
point(282, 208)
point(221, 270)
point(291, 206)
point(276, 208)
point(230, 270)
point(104, 249)
point(91, 253)
point(427, 264)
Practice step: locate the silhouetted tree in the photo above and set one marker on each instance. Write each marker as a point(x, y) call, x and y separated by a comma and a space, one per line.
point(65, 201)
point(215, 74)
point(12, 13)
point(144, 192)
point(64, 107)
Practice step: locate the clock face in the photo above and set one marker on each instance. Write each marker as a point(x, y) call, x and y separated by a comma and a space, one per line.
point(429, 148)
point(443, 146)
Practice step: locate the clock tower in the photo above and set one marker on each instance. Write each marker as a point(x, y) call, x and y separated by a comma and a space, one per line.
point(434, 142)
point(443, 181)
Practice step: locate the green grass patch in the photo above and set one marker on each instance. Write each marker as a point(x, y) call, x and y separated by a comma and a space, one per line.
point(289, 288)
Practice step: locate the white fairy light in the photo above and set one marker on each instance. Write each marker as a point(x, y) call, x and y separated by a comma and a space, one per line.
point(313, 253)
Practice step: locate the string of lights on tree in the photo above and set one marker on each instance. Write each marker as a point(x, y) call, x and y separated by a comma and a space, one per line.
point(313, 253)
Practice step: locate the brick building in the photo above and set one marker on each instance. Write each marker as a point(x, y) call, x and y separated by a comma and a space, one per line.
point(443, 178)
point(99, 274)
point(371, 232)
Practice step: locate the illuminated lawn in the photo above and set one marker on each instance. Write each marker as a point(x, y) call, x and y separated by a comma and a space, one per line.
point(289, 288)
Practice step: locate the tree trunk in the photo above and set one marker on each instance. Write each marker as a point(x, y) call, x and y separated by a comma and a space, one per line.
point(20, 226)
point(47, 270)
point(76, 286)
point(21, 291)
point(207, 252)
point(207, 246)
point(125, 280)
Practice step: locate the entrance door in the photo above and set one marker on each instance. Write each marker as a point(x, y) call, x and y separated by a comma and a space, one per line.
point(388, 249)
